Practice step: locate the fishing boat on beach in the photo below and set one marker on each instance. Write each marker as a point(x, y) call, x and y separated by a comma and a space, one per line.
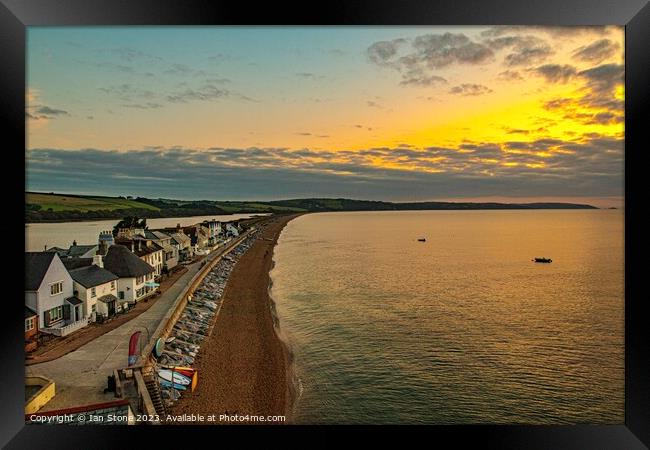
point(422, 240)
point(543, 260)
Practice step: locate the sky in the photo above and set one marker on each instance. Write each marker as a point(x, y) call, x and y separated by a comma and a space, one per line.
point(505, 113)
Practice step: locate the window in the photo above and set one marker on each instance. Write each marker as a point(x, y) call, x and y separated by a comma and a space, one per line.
point(56, 288)
point(112, 285)
point(138, 280)
point(121, 295)
point(55, 314)
point(93, 309)
point(29, 324)
point(93, 293)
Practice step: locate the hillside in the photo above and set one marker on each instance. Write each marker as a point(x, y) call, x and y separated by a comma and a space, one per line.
point(56, 202)
point(41, 207)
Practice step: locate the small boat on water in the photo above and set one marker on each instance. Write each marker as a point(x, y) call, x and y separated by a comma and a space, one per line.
point(543, 260)
point(422, 240)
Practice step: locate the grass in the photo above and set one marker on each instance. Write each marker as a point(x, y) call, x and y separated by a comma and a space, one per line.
point(70, 203)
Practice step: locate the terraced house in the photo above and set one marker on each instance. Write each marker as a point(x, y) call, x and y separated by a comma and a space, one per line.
point(135, 277)
point(97, 288)
point(144, 247)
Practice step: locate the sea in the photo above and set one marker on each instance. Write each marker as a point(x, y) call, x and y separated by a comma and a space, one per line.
point(463, 328)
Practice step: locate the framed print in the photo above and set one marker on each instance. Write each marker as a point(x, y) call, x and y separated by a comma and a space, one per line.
point(415, 215)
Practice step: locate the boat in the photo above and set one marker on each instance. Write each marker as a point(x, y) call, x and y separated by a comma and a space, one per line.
point(178, 378)
point(178, 387)
point(422, 240)
point(543, 260)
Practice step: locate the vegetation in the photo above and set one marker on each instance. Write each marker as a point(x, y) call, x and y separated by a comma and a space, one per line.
point(56, 203)
point(62, 207)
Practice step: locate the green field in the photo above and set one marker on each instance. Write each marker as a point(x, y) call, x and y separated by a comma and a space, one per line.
point(57, 202)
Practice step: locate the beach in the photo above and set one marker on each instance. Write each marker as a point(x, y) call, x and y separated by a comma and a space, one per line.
point(242, 365)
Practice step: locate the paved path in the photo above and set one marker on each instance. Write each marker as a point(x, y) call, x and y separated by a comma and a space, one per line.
point(81, 376)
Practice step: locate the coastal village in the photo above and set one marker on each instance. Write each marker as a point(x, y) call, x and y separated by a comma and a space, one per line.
point(86, 289)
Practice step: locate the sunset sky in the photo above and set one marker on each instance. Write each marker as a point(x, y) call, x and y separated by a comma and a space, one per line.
point(390, 113)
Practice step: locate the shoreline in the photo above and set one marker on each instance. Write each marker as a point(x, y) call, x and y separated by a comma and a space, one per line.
point(244, 366)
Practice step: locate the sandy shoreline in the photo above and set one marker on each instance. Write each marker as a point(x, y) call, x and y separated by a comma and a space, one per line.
point(243, 365)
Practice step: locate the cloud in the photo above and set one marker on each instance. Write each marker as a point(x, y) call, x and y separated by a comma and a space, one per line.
point(147, 105)
point(204, 93)
point(383, 52)
point(441, 50)
point(309, 75)
point(556, 73)
point(552, 31)
point(470, 89)
point(588, 165)
point(510, 75)
point(373, 104)
point(525, 50)
point(604, 78)
point(127, 91)
point(414, 79)
point(416, 59)
point(596, 102)
point(179, 69)
point(51, 112)
point(596, 51)
point(528, 55)
point(184, 93)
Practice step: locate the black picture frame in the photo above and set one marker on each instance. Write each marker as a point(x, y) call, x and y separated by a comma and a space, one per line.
point(16, 15)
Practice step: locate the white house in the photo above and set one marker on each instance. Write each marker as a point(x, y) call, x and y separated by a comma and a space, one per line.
point(169, 252)
point(49, 293)
point(183, 245)
point(97, 288)
point(136, 277)
point(232, 229)
point(146, 249)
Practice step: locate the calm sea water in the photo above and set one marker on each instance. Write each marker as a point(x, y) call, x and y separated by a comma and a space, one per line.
point(463, 328)
point(38, 235)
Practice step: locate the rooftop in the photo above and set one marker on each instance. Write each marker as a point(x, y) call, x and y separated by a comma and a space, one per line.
point(124, 263)
point(91, 276)
point(36, 265)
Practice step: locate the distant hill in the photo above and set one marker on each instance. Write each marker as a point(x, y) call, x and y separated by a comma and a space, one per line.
point(343, 204)
point(52, 207)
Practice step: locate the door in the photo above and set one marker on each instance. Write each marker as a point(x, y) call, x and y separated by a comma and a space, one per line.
point(77, 313)
point(111, 308)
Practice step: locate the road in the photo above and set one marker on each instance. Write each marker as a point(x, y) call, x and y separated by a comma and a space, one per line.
point(81, 376)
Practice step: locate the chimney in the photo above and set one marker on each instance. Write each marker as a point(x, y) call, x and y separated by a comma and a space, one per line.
point(74, 243)
point(98, 261)
point(45, 247)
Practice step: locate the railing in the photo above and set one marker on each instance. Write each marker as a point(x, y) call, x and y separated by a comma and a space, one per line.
point(67, 329)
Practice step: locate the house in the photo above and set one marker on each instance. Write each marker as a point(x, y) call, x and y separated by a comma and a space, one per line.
point(214, 230)
point(170, 252)
point(75, 251)
point(97, 288)
point(199, 236)
point(135, 277)
point(146, 249)
point(232, 229)
point(182, 243)
point(49, 293)
point(31, 329)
